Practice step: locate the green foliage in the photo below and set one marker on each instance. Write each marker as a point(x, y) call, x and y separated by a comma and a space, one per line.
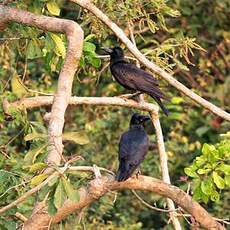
point(170, 33)
point(210, 171)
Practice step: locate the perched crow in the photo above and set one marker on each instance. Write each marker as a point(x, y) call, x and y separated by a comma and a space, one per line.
point(134, 78)
point(133, 147)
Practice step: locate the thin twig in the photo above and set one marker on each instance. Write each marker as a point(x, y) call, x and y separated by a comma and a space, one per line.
point(150, 206)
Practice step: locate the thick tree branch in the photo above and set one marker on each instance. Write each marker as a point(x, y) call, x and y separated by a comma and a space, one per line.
point(98, 188)
point(87, 4)
point(74, 35)
point(34, 102)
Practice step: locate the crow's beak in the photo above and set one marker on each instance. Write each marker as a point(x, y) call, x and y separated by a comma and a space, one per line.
point(144, 119)
point(107, 50)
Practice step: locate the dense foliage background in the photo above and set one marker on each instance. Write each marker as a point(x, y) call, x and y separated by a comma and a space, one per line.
point(188, 38)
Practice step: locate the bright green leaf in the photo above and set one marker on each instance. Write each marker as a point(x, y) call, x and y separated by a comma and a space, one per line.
point(206, 149)
point(218, 180)
point(37, 166)
point(190, 172)
point(224, 168)
point(227, 180)
point(89, 47)
point(207, 186)
point(215, 196)
point(203, 171)
point(177, 100)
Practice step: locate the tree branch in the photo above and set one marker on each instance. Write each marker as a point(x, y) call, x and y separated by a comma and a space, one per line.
point(98, 188)
point(164, 166)
point(74, 35)
point(34, 102)
point(87, 4)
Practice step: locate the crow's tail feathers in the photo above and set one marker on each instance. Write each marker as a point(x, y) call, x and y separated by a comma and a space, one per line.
point(123, 172)
point(159, 102)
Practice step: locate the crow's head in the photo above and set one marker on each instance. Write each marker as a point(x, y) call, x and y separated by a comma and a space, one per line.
point(138, 119)
point(115, 53)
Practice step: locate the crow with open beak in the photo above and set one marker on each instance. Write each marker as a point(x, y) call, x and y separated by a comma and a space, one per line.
point(133, 78)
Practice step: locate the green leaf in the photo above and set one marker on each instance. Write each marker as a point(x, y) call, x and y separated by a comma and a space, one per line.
point(17, 86)
point(89, 47)
point(32, 136)
point(71, 193)
point(33, 50)
point(207, 186)
point(177, 100)
point(80, 137)
point(203, 171)
point(224, 168)
point(202, 130)
point(53, 181)
point(227, 180)
point(37, 166)
point(60, 49)
point(53, 8)
point(52, 210)
point(218, 180)
point(95, 62)
point(89, 37)
point(190, 172)
point(206, 149)
point(38, 179)
point(215, 196)
point(59, 195)
point(31, 156)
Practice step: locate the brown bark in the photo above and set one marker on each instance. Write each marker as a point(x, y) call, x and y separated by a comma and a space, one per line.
point(74, 35)
point(99, 187)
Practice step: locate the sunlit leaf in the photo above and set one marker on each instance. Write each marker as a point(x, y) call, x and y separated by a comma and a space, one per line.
point(60, 49)
point(207, 186)
point(17, 86)
point(190, 172)
point(37, 166)
point(80, 138)
point(38, 179)
point(218, 180)
point(53, 8)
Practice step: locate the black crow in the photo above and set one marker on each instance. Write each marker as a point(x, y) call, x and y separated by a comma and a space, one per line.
point(133, 147)
point(133, 78)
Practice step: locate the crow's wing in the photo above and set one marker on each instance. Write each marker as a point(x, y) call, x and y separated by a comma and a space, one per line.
point(133, 147)
point(132, 77)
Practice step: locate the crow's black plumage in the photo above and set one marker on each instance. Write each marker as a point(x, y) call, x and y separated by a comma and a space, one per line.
point(134, 78)
point(133, 147)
